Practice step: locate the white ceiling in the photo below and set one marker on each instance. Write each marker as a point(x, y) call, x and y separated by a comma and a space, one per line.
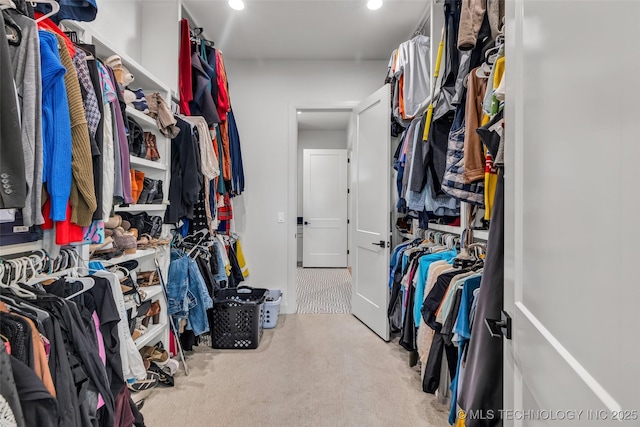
point(324, 120)
point(308, 29)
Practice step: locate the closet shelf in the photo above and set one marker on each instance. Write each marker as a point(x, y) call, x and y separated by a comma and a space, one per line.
point(137, 161)
point(142, 119)
point(445, 228)
point(141, 253)
point(140, 208)
point(20, 248)
point(151, 291)
point(104, 49)
point(153, 333)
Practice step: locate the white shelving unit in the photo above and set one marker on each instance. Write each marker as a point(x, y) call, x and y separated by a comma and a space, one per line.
point(140, 208)
point(140, 253)
point(146, 164)
point(141, 117)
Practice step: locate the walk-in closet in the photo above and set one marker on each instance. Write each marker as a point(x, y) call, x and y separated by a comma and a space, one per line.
point(318, 213)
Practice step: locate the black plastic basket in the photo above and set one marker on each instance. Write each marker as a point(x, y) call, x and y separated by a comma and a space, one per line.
point(238, 314)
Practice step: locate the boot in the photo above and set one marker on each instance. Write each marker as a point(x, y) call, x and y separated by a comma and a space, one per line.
point(152, 147)
point(139, 180)
point(159, 196)
point(149, 190)
point(135, 191)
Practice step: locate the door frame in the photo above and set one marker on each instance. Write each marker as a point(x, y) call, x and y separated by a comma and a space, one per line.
point(291, 305)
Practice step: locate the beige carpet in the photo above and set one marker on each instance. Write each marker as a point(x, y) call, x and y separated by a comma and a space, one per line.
point(311, 370)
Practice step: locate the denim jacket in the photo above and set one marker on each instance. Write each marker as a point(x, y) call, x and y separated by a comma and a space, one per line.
point(187, 292)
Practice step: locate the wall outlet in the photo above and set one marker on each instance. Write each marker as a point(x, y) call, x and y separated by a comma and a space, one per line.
point(280, 217)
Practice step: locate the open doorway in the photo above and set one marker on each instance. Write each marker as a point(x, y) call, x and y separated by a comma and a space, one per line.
point(322, 276)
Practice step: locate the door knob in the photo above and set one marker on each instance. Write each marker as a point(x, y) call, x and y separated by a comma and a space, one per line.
point(382, 244)
point(306, 223)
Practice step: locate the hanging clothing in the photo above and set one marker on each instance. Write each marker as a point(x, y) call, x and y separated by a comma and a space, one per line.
point(82, 197)
point(56, 124)
point(184, 64)
point(184, 188)
point(202, 103)
point(237, 168)
point(25, 58)
point(482, 368)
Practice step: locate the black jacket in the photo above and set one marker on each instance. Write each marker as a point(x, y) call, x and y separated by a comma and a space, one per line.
point(185, 185)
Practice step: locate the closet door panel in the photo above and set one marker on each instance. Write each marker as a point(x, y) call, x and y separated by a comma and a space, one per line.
point(571, 172)
point(371, 207)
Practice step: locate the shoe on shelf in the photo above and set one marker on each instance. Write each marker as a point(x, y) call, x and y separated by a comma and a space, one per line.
point(156, 354)
point(125, 241)
point(149, 190)
point(148, 278)
point(152, 147)
point(138, 179)
point(138, 331)
point(113, 222)
point(159, 196)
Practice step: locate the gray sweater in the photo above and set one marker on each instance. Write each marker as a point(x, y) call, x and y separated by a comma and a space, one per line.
point(25, 59)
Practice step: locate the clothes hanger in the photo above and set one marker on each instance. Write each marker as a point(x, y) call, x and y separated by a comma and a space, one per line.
point(7, 4)
point(55, 7)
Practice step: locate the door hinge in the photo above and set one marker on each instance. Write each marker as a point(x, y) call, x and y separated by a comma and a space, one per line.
point(499, 328)
point(348, 160)
point(348, 221)
point(348, 191)
point(347, 251)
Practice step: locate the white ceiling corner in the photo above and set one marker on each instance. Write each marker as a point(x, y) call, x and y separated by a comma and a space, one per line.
point(308, 29)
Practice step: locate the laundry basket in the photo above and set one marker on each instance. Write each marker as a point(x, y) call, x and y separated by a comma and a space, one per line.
point(238, 316)
point(272, 308)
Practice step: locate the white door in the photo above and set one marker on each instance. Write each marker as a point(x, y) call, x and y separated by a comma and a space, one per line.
point(371, 173)
point(571, 235)
point(324, 214)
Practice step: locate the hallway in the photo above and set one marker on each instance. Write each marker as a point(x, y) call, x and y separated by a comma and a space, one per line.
point(323, 290)
point(312, 370)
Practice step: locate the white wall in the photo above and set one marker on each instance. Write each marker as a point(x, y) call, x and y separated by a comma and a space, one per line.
point(328, 139)
point(262, 95)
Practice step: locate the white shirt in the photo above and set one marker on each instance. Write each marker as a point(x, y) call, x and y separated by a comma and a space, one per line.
point(413, 64)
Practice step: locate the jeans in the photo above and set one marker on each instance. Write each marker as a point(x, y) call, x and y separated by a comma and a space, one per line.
point(178, 284)
point(199, 300)
point(187, 293)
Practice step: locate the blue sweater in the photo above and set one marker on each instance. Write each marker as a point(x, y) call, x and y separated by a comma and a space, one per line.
point(56, 127)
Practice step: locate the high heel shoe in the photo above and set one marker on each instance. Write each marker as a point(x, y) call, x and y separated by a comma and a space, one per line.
point(154, 312)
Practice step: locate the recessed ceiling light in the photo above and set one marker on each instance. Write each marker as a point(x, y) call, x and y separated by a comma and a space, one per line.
point(299, 112)
point(236, 4)
point(374, 4)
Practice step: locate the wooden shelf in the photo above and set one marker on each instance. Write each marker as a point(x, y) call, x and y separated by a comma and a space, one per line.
point(142, 208)
point(140, 162)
